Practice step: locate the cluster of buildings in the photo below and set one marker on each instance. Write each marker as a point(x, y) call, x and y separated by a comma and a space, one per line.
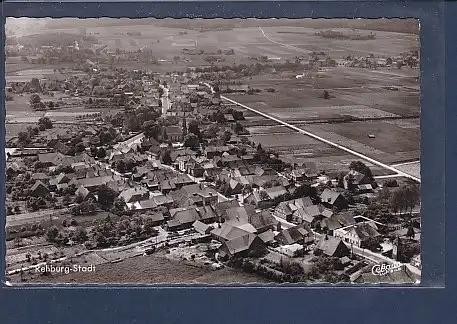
point(221, 191)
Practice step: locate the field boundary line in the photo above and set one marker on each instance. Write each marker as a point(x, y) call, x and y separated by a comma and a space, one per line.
point(284, 45)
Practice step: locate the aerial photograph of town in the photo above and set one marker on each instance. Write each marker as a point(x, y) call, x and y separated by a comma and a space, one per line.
point(212, 151)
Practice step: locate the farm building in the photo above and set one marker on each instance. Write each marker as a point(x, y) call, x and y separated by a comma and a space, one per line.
point(247, 245)
point(332, 247)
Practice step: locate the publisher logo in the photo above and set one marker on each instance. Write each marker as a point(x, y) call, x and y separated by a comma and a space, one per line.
point(384, 269)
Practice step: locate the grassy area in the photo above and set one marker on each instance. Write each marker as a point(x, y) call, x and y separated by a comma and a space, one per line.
point(153, 269)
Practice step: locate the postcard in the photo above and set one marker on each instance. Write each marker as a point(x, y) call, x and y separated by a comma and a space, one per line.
point(215, 151)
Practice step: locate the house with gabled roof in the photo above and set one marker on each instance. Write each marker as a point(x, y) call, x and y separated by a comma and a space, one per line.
point(213, 151)
point(39, 189)
point(330, 199)
point(313, 214)
point(174, 133)
point(184, 217)
point(247, 245)
point(51, 159)
point(206, 194)
point(354, 178)
point(84, 193)
point(231, 230)
point(134, 194)
point(221, 208)
point(289, 210)
point(202, 228)
point(332, 247)
point(337, 221)
point(263, 221)
point(300, 234)
point(361, 234)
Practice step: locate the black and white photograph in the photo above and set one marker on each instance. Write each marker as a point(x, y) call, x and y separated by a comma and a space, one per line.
point(212, 151)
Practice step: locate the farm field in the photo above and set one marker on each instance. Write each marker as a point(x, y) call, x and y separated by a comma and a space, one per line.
point(413, 168)
point(392, 116)
point(391, 143)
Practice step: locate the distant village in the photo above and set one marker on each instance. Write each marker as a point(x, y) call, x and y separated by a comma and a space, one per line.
point(172, 163)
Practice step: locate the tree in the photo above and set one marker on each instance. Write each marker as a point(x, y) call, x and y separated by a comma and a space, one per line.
point(340, 179)
point(46, 122)
point(238, 128)
point(389, 61)
point(80, 147)
point(34, 100)
point(397, 201)
point(191, 141)
point(51, 233)
point(326, 95)
point(410, 233)
point(218, 117)
point(23, 137)
point(384, 195)
point(194, 128)
point(151, 129)
point(391, 183)
point(164, 135)
point(106, 196)
point(166, 157)
point(119, 206)
point(305, 190)
point(264, 195)
point(120, 166)
point(101, 153)
point(212, 131)
point(226, 136)
point(359, 166)
point(80, 235)
point(412, 196)
point(184, 127)
point(66, 200)
point(237, 115)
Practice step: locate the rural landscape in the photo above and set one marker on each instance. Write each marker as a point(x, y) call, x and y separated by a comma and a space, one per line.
point(222, 151)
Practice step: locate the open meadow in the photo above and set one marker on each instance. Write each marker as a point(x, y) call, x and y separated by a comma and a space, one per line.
point(154, 269)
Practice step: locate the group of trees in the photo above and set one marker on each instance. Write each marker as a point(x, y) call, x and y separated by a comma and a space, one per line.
point(405, 199)
point(269, 159)
point(392, 201)
point(98, 152)
point(124, 166)
point(36, 103)
point(83, 207)
point(26, 137)
point(64, 236)
point(125, 231)
point(327, 268)
point(304, 190)
point(361, 167)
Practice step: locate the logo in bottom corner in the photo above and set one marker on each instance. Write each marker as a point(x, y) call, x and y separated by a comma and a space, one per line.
point(384, 269)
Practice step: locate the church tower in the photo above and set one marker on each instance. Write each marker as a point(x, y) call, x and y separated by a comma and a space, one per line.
point(184, 126)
